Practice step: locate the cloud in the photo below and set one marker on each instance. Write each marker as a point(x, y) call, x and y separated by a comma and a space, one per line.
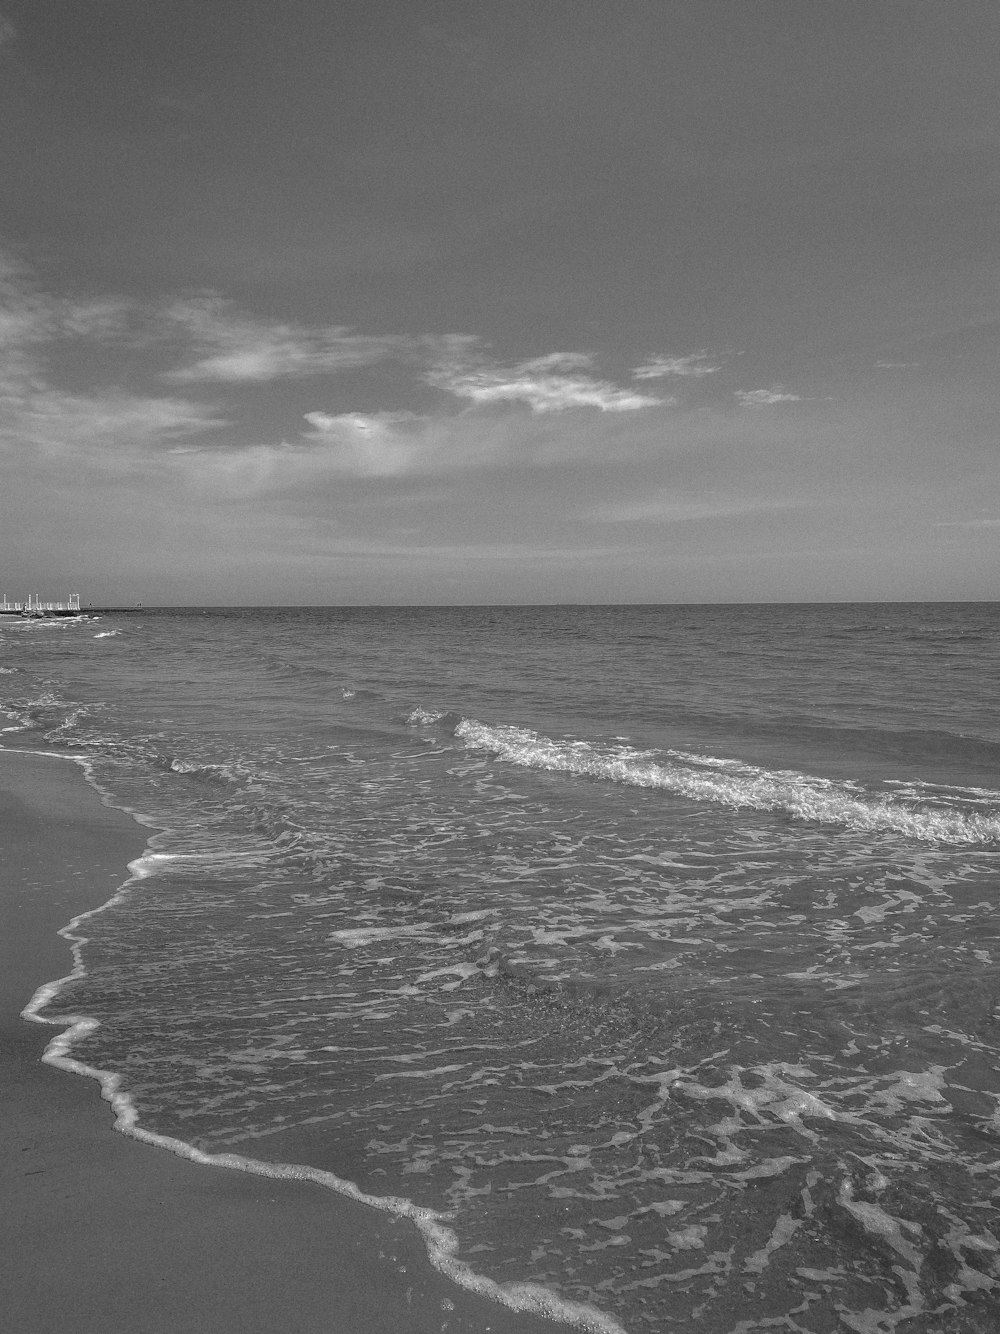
point(231, 347)
point(112, 430)
point(106, 426)
point(337, 448)
point(106, 319)
point(379, 447)
point(27, 320)
point(30, 314)
point(379, 444)
point(397, 444)
point(207, 342)
point(696, 364)
point(666, 506)
point(968, 523)
point(549, 393)
point(33, 322)
point(552, 383)
point(204, 339)
point(765, 398)
point(559, 361)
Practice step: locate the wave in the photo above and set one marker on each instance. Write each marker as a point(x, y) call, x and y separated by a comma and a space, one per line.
point(19, 721)
point(445, 721)
point(732, 783)
point(233, 774)
point(440, 1241)
point(41, 711)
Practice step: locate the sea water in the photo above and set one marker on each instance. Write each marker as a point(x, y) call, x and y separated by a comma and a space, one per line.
point(646, 956)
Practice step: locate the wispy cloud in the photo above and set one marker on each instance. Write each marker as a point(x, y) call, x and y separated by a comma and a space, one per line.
point(207, 340)
point(203, 339)
point(668, 506)
point(30, 316)
point(968, 523)
point(552, 383)
point(105, 319)
point(765, 398)
point(114, 431)
point(378, 444)
point(376, 448)
point(694, 365)
point(224, 345)
point(27, 320)
point(397, 444)
point(109, 426)
point(337, 447)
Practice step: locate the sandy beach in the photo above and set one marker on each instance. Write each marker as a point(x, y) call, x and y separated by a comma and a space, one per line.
point(102, 1233)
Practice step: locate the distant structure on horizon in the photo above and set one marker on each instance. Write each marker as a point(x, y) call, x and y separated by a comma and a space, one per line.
point(34, 606)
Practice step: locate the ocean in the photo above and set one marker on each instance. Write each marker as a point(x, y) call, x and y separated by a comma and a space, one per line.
point(646, 956)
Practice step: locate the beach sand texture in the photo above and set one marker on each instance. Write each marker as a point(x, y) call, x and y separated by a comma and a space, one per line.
point(100, 1232)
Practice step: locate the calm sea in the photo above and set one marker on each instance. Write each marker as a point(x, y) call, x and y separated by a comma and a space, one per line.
point(651, 953)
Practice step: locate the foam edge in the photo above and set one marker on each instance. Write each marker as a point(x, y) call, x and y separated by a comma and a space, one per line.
point(440, 1242)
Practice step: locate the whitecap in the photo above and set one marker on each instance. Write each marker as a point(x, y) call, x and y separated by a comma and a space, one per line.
point(734, 784)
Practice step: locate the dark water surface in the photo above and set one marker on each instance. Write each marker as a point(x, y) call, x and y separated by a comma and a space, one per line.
point(654, 950)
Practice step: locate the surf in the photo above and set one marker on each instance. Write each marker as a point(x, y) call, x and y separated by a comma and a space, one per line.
point(732, 783)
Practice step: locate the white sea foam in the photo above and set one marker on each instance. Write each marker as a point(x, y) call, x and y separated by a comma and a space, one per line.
point(355, 937)
point(47, 699)
point(424, 717)
point(732, 783)
point(440, 1241)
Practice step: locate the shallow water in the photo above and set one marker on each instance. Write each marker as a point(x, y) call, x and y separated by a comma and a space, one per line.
point(655, 949)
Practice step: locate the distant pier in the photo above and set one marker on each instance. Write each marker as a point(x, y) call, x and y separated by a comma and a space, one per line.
point(33, 606)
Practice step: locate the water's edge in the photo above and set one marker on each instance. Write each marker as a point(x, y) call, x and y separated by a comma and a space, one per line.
point(440, 1242)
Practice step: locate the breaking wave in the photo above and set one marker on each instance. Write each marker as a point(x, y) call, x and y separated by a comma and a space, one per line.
point(741, 786)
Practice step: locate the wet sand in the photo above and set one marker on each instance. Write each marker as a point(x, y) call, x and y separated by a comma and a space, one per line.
point(99, 1232)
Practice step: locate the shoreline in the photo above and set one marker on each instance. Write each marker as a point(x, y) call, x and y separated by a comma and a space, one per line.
point(104, 1232)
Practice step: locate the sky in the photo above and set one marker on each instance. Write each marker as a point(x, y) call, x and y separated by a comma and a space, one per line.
point(509, 301)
